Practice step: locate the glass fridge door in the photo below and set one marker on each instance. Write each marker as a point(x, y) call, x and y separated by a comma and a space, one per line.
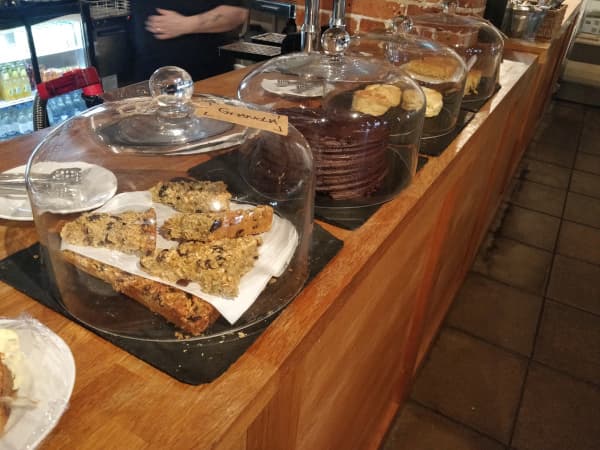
point(16, 83)
point(59, 45)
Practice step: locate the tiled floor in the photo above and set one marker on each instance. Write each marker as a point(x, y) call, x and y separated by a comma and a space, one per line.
point(516, 365)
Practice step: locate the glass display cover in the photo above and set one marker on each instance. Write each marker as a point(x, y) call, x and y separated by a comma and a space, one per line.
point(439, 71)
point(202, 238)
point(478, 42)
point(362, 117)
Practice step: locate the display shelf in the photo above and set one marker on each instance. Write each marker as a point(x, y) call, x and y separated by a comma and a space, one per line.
point(7, 103)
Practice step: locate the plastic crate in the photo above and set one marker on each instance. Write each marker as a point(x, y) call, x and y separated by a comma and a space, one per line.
point(102, 9)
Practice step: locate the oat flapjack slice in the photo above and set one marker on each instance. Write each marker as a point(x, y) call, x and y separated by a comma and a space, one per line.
point(184, 310)
point(207, 227)
point(129, 232)
point(192, 196)
point(216, 266)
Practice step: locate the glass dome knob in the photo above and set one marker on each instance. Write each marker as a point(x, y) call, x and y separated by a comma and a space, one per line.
point(335, 41)
point(450, 7)
point(402, 25)
point(172, 87)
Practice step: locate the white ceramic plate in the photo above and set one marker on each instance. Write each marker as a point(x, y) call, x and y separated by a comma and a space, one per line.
point(48, 379)
point(97, 187)
point(317, 90)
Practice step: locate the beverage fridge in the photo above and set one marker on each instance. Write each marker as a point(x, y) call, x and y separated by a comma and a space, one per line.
point(42, 40)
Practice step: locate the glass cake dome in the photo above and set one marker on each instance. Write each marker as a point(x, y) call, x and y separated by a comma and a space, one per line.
point(362, 117)
point(440, 71)
point(475, 39)
point(166, 218)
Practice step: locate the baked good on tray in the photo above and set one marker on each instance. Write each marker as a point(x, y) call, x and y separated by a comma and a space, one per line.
point(216, 266)
point(192, 196)
point(186, 311)
point(6, 392)
point(473, 80)
point(439, 68)
point(128, 232)
point(376, 99)
point(208, 227)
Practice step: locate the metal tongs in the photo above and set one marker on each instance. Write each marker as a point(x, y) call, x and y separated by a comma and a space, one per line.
point(66, 175)
point(62, 181)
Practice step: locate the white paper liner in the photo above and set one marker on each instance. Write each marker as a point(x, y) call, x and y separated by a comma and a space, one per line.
point(274, 255)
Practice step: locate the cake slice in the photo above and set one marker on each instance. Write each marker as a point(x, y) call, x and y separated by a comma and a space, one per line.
point(192, 196)
point(128, 232)
point(208, 227)
point(184, 310)
point(216, 266)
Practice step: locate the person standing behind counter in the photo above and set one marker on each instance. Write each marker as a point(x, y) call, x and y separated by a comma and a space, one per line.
point(184, 33)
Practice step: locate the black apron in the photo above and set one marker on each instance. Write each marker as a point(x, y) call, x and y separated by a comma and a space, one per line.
point(198, 53)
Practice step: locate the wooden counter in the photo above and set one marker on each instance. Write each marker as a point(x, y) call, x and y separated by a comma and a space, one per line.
point(333, 368)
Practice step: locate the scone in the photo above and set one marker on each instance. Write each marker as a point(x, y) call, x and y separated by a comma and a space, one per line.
point(434, 102)
point(216, 266)
point(128, 232)
point(192, 196)
point(208, 227)
point(411, 100)
point(376, 99)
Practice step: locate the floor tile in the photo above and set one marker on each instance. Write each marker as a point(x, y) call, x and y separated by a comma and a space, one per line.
point(585, 183)
point(546, 173)
point(498, 313)
point(562, 155)
point(590, 134)
point(569, 340)
point(472, 382)
point(579, 241)
point(555, 136)
point(557, 413)
point(575, 283)
point(587, 162)
point(418, 428)
point(539, 197)
point(582, 209)
point(516, 264)
point(530, 227)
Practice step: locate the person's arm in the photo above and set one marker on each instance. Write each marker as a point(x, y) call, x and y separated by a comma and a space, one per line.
point(169, 24)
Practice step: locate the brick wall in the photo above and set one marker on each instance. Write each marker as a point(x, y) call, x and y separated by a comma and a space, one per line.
point(365, 15)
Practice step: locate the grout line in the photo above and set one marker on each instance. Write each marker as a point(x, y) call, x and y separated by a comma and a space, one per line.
point(542, 309)
point(533, 210)
point(530, 155)
point(458, 422)
point(518, 288)
point(578, 308)
point(584, 195)
point(553, 164)
point(484, 340)
point(588, 153)
point(567, 374)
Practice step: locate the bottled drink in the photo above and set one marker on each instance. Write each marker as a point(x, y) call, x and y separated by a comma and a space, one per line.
point(4, 127)
point(24, 81)
point(6, 83)
point(22, 120)
point(15, 82)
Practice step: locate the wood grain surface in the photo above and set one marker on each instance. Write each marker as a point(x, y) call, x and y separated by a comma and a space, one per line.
point(333, 368)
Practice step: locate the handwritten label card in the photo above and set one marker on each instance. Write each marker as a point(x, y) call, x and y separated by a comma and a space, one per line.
point(242, 116)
